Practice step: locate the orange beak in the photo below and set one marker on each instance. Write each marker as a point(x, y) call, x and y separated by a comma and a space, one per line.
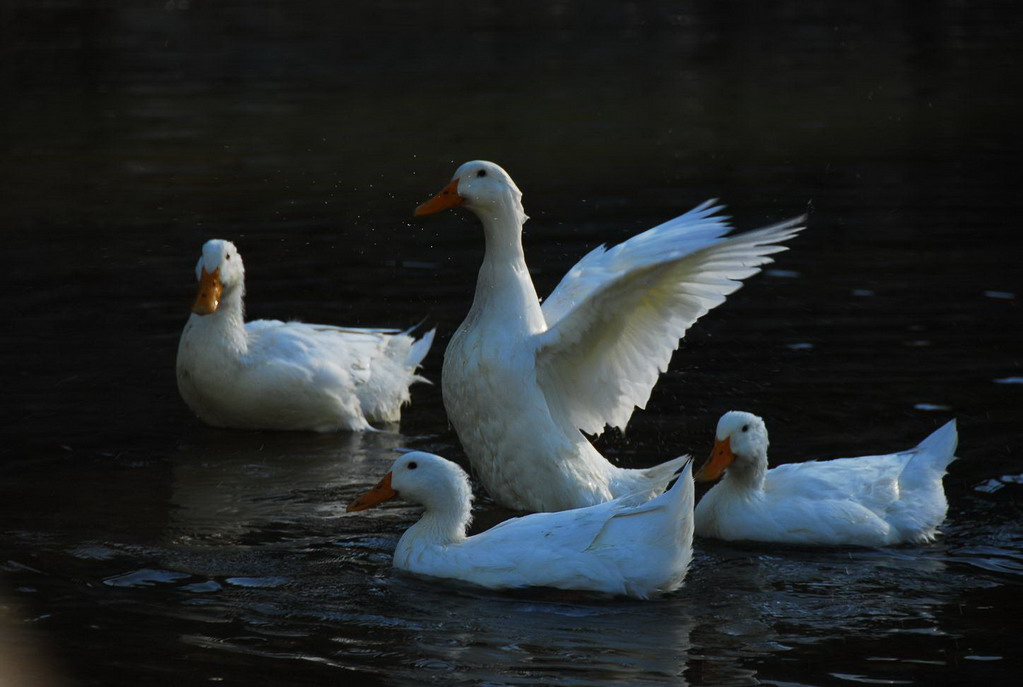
point(208, 299)
point(378, 494)
point(720, 458)
point(447, 198)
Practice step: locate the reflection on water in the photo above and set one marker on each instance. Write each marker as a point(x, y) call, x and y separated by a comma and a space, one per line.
point(137, 546)
point(250, 485)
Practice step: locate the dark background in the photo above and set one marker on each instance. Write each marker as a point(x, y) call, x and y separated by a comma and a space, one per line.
point(131, 132)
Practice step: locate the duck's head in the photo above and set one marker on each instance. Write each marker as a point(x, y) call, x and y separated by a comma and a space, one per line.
point(219, 269)
point(740, 444)
point(482, 187)
point(423, 478)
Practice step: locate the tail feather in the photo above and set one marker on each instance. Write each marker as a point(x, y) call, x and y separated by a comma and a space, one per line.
point(681, 502)
point(662, 474)
point(940, 446)
point(923, 506)
point(932, 455)
point(417, 352)
point(643, 484)
point(684, 489)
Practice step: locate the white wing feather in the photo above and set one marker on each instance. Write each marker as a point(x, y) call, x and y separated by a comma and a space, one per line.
point(686, 233)
point(617, 317)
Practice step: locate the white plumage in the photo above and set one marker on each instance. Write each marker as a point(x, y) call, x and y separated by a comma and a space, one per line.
point(520, 381)
point(630, 546)
point(269, 374)
point(866, 501)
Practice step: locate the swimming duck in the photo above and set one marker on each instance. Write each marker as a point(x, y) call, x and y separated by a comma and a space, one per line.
point(630, 546)
point(269, 374)
point(520, 380)
point(866, 501)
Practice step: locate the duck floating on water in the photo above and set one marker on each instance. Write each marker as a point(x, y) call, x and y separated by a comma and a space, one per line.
point(867, 501)
point(521, 382)
point(630, 546)
point(269, 374)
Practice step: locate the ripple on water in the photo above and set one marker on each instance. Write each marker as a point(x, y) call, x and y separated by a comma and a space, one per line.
point(932, 407)
point(145, 577)
point(864, 680)
point(991, 558)
point(994, 484)
point(95, 552)
point(257, 582)
point(208, 587)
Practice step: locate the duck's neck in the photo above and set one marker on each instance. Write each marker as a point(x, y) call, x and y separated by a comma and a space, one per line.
point(747, 478)
point(227, 324)
point(502, 226)
point(441, 524)
point(504, 288)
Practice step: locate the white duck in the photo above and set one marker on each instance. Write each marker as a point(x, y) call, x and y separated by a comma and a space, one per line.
point(630, 546)
point(865, 501)
point(268, 374)
point(520, 381)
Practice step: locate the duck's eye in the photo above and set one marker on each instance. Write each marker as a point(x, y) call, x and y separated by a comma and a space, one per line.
point(481, 173)
point(745, 428)
point(413, 465)
point(228, 256)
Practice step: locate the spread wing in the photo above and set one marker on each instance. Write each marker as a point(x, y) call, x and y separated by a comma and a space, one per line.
point(618, 315)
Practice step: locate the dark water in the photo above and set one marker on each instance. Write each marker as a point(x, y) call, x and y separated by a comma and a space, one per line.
point(139, 547)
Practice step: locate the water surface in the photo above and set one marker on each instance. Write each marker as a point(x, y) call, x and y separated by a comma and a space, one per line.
point(139, 547)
